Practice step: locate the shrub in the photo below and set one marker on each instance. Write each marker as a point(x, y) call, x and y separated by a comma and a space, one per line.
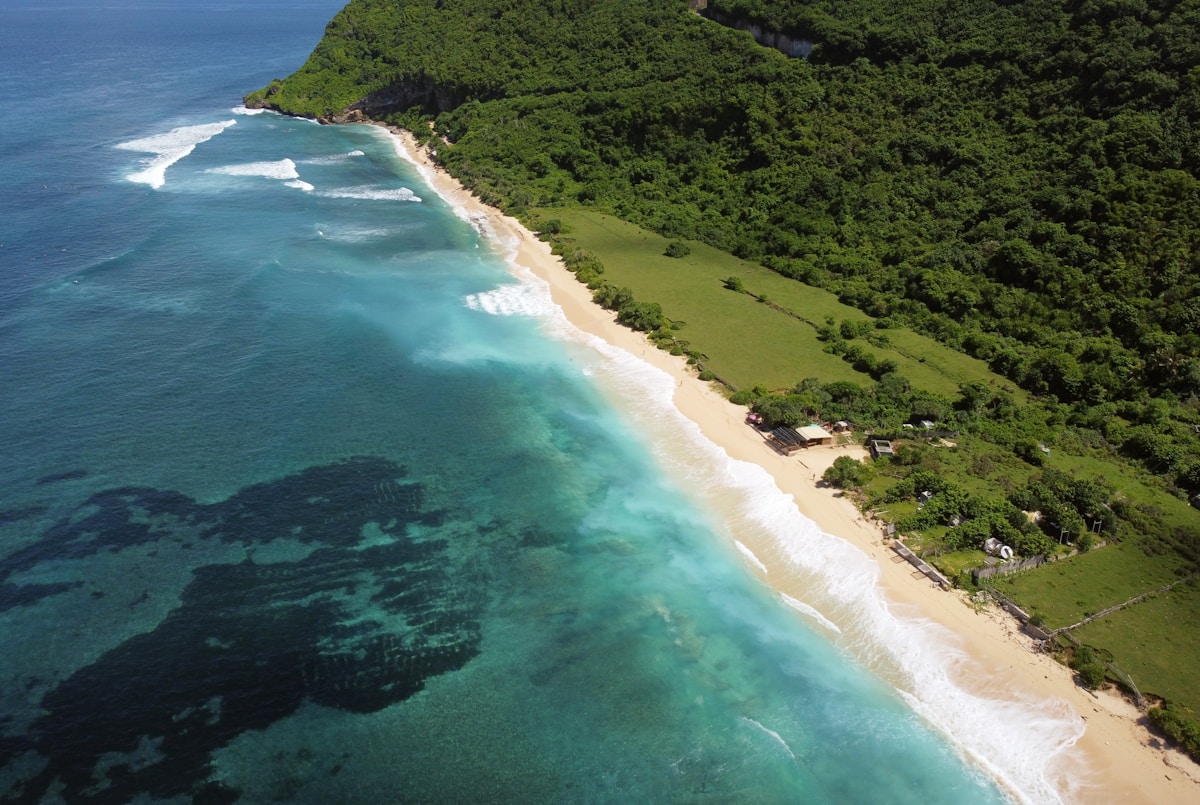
point(1089, 667)
point(644, 316)
point(847, 473)
point(677, 249)
point(745, 397)
point(1179, 724)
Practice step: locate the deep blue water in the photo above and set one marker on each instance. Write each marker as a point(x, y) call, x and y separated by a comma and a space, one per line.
point(306, 497)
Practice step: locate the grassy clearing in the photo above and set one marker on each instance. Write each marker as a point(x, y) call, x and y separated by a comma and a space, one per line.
point(1130, 483)
point(1067, 591)
point(748, 342)
point(1151, 642)
point(953, 564)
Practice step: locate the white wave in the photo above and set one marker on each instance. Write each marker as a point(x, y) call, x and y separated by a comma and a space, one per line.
point(353, 234)
point(371, 193)
point(242, 110)
point(281, 169)
point(750, 557)
point(1021, 743)
point(520, 299)
point(480, 223)
point(169, 148)
point(810, 611)
point(333, 159)
point(770, 732)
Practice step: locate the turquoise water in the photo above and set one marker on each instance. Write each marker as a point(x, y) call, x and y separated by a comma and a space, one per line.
point(309, 497)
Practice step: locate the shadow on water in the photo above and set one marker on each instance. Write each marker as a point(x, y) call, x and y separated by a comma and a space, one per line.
point(351, 626)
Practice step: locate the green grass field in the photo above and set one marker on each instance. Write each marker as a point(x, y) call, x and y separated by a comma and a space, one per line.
point(749, 343)
point(1152, 640)
point(1067, 591)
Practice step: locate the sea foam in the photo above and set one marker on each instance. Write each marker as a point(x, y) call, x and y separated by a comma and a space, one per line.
point(519, 299)
point(775, 736)
point(333, 159)
point(283, 170)
point(810, 611)
point(169, 148)
point(372, 193)
point(749, 555)
point(1021, 743)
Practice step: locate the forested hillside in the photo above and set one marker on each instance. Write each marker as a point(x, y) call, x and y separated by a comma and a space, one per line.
point(1018, 180)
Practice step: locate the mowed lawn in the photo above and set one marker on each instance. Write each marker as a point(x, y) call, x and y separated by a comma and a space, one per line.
point(747, 342)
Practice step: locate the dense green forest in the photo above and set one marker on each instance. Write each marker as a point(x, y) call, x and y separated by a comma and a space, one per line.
point(1017, 180)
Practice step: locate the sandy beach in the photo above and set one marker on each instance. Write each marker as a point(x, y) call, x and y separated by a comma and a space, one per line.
point(1117, 760)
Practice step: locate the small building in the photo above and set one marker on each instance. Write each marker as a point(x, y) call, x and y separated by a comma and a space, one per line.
point(841, 426)
point(789, 440)
point(880, 447)
point(786, 440)
point(814, 435)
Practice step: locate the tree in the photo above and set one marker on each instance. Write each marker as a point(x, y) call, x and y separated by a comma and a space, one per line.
point(1090, 667)
point(847, 473)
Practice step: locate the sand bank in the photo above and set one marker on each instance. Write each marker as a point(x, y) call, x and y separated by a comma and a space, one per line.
point(1116, 760)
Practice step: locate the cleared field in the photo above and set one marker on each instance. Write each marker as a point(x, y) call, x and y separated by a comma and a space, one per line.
point(1067, 591)
point(748, 342)
point(1152, 640)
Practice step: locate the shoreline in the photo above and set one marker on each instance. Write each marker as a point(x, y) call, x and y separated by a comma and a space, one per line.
point(1115, 759)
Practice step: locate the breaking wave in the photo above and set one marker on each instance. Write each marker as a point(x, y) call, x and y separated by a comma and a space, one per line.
point(369, 193)
point(169, 148)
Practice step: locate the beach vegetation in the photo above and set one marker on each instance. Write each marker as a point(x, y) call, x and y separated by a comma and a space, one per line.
point(1088, 666)
point(1180, 724)
point(847, 473)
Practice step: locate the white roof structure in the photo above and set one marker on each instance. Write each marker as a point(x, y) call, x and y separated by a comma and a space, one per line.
point(814, 433)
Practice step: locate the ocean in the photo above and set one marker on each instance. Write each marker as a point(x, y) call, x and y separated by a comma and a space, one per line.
point(310, 496)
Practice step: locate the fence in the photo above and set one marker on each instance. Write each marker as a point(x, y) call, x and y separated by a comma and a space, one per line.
point(1010, 567)
point(921, 566)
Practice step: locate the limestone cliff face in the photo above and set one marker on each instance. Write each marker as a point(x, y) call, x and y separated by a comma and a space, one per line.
point(422, 91)
point(792, 45)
